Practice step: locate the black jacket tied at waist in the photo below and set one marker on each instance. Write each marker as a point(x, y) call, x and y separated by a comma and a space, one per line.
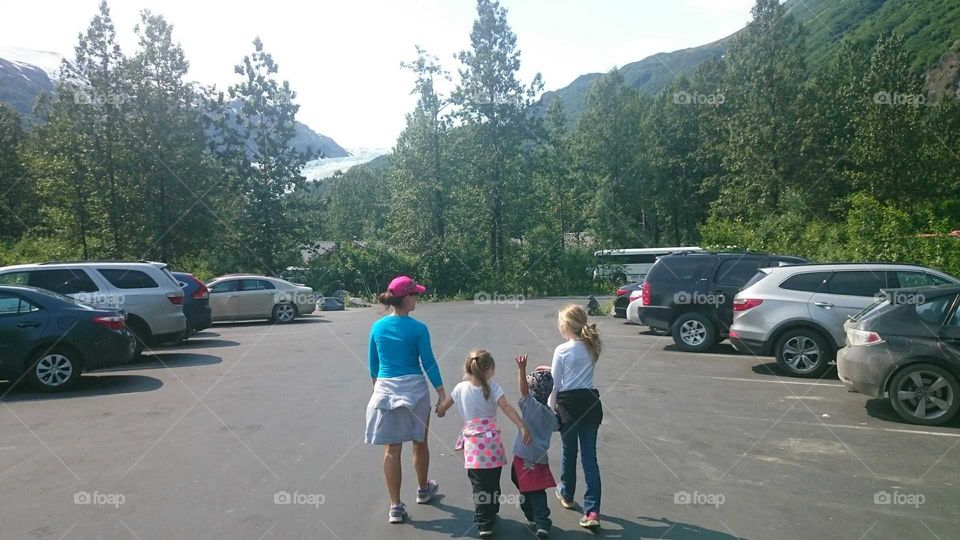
point(580, 405)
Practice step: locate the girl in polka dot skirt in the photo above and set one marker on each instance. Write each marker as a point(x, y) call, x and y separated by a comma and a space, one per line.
point(484, 456)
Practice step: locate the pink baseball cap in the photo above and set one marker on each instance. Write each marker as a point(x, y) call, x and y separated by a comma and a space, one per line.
point(404, 285)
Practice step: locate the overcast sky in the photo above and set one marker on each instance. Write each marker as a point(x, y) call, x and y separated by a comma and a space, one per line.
point(343, 57)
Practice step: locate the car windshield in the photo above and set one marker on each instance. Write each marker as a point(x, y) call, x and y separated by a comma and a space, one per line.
point(63, 298)
point(877, 304)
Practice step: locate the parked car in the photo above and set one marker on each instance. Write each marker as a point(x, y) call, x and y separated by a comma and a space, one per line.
point(147, 292)
point(796, 313)
point(906, 347)
point(196, 303)
point(625, 295)
point(48, 339)
point(245, 297)
point(690, 295)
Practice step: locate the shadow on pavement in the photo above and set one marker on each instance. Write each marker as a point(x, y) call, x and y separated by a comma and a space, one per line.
point(166, 360)
point(882, 410)
point(772, 369)
point(194, 343)
point(460, 524)
point(720, 348)
point(306, 319)
point(87, 385)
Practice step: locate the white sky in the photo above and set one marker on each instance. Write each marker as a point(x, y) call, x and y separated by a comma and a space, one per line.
point(343, 57)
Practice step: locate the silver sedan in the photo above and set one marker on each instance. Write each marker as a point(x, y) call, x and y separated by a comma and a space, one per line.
point(245, 297)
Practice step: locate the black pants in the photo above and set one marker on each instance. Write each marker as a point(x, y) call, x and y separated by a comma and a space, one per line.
point(533, 504)
point(486, 496)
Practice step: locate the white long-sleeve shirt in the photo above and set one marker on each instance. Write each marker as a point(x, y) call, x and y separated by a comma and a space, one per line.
point(572, 368)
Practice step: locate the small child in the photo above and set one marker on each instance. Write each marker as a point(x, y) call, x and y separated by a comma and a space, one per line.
point(477, 398)
point(531, 464)
point(577, 402)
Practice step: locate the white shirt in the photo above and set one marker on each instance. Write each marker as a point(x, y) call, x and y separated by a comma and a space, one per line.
point(468, 398)
point(572, 368)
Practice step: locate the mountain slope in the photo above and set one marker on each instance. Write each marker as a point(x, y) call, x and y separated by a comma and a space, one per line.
point(21, 83)
point(931, 27)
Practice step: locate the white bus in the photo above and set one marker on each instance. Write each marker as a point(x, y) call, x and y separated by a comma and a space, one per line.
point(629, 265)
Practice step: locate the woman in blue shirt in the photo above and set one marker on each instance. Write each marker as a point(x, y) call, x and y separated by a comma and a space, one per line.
point(399, 409)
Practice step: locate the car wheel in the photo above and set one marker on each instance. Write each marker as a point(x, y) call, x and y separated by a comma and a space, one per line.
point(284, 313)
point(141, 335)
point(694, 332)
point(925, 394)
point(803, 353)
point(54, 370)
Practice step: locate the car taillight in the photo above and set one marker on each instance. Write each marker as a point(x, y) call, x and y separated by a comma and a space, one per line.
point(635, 294)
point(645, 293)
point(862, 337)
point(175, 298)
point(202, 291)
point(112, 322)
point(621, 292)
point(743, 304)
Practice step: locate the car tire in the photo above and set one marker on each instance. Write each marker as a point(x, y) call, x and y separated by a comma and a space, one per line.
point(904, 391)
point(803, 353)
point(141, 337)
point(54, 370)
point(693, 332)
point(284, 313)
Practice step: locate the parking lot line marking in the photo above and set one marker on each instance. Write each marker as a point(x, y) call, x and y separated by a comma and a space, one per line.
point(8, 447)
point(851, 426)
point(778, 381)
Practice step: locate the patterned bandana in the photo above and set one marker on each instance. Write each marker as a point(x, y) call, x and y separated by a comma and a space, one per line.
point(541, 384)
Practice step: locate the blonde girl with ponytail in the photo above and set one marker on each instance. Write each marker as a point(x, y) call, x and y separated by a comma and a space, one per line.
point(477, 398)
point(577, 402)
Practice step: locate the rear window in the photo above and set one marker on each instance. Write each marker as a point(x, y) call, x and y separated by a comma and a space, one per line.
point(858, 283)
point(869, 310)
point(225, 286)
point(909, 279)
point(736, 272)
point(934, 312)
point(680, 267)
point(256, 285)
point(63, 281)
point(128, 279)
point(808, 282)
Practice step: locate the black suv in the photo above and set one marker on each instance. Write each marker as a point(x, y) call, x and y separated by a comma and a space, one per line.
point(691, 294)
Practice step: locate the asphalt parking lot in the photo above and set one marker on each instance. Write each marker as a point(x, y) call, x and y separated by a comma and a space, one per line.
point(205, 440)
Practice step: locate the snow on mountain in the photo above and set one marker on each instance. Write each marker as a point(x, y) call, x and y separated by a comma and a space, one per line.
point(48, 61)
point(319, 169)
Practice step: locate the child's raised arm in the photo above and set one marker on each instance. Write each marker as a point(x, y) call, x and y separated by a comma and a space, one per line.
point(515, 418)
point(522, 374)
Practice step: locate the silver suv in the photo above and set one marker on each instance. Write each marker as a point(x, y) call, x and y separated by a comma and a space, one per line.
point(150, 295)
point(796, 313)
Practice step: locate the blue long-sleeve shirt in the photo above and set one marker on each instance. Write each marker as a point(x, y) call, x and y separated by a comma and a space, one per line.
point(400, 345)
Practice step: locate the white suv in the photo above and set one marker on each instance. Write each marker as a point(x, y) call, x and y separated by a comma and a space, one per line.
point(147, 291)
point(796, 312)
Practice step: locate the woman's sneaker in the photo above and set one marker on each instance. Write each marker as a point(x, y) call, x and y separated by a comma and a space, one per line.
point(398, 513)
point(424, 495)
point(565, 503)
point(590, 521)
point(486, 533)
point(543, 533)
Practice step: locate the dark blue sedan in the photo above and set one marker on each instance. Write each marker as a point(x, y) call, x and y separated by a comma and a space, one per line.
point(48, 339)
